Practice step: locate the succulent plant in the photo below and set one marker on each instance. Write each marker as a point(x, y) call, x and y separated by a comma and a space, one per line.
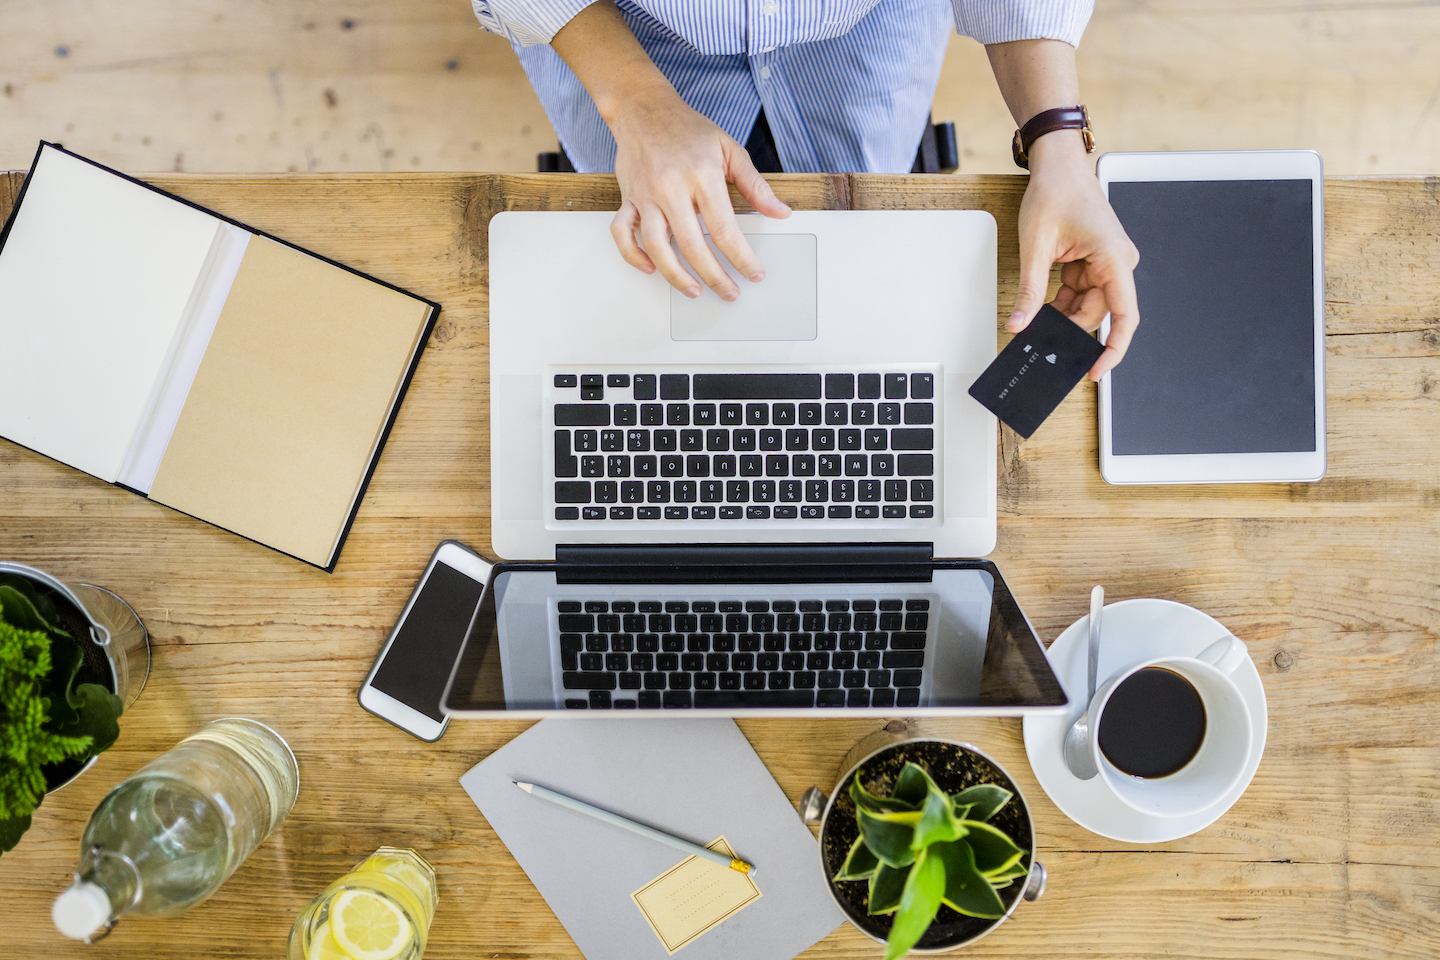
point(46, 718)
point(920, 847)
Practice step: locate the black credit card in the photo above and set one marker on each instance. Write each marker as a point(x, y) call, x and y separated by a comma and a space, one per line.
point(1037, 370)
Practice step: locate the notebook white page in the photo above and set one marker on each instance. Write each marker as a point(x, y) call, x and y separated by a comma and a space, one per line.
point(94, 281)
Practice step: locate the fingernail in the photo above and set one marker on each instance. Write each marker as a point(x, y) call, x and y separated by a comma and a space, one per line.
point(757, 276)
point(692, 292)
point(1016, 317)
point(729, 295)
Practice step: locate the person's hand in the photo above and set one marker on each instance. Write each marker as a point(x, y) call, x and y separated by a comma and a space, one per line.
point(673, 163)
point(1065, 217)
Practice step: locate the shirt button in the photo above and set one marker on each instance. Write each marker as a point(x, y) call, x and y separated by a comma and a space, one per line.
point(764, 73)
point(770, 8)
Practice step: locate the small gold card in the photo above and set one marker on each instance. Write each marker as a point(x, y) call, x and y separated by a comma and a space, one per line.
point(693, 896)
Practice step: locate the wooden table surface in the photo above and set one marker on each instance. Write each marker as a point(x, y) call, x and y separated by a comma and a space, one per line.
point(1334, 851)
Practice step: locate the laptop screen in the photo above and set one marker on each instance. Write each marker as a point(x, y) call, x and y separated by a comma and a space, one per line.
point(850, 630)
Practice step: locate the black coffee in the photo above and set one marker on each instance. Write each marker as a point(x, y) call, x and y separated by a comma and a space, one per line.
point(1153, 723)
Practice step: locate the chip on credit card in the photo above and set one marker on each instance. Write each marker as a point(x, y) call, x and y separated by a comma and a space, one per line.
point(1036, 370)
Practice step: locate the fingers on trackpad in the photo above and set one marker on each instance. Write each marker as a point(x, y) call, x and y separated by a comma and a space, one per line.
point(780, 307)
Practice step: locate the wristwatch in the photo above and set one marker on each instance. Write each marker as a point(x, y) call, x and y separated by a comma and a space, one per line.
point(1048, 121)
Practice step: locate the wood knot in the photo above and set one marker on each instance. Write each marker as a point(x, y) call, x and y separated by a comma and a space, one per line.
point(895, 726)
point(1284, 660)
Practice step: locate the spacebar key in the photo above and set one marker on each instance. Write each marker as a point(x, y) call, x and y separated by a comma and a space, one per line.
point(757, 386)
point(589, 680)
point(753, 699)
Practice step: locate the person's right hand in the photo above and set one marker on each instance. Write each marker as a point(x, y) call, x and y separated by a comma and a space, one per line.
point(673, 164)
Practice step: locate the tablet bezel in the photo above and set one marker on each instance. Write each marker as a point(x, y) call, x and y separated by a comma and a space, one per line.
point(1304, 466)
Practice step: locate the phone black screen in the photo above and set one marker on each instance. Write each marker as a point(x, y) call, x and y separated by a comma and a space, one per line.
point(418, 662)
point(1224, 358)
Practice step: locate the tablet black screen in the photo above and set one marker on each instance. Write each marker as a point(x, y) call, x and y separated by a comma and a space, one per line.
point(1223, 360)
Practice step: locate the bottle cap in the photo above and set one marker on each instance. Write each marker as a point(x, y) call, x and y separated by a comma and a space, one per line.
point(81, 911)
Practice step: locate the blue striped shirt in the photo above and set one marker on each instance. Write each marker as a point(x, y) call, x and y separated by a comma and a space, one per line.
point(846, 85)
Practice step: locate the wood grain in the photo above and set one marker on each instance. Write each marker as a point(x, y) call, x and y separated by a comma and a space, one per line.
point(1331, 853)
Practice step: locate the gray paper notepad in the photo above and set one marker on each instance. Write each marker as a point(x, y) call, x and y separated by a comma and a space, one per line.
point(696, 779)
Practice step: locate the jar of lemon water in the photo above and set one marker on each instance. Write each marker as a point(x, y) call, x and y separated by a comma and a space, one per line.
point(381, 910)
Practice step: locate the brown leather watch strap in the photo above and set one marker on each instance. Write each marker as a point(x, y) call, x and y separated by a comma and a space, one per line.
point(1048, 121)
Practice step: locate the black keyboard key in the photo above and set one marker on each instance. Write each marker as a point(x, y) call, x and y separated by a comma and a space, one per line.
point(792, 661)
point(653, 415)
point(730, 681)
point(592, 393)
point(576, 623)
point(586, 441)
point(826, 641)
point(717, 662)
point(617, 662)
point(564, 380)
point(717, 441)
point(804, 680)
point(743, 439)
point(623, 705)
point(843, 491)
point(702, 513)
point(912, 438)
point(649, 699)
point(629, 681)
point(756, 386)
point(588, 680)
point(679, 681)
point(685, 491)
point(857, 698)
point(757, 513)
point(567, 513)
point(856, 605)
point(569, 606)
point(849, 439)
point(907, 641)
point(876, 439)
point(919, 413)
point(810, 414)
point(876, 640)
point(674, 386)
point(779, 680)
point(617, 380)
point(838, 622)
point(596, 642)
point(677, 513)
point(599, 699)
point(882, 698)
point(921, 511)
point(887, 413)
point(828, 464)
point(575, 704)
point(835, 414)
point(917, 603)
point(908, 698)
point(572, 491)
point(796, 439)
point(843, 660)
point(786, 513)
point(803, 465)
point(818, 661)
point(637, 441)
point(918, 620)
point(868, 660)
point(705, 681)
point(642, 662)
point(895, 490)
point(763, 491)
point(822, 438)
point(774, 642)
point(892, 604)
point(907, 678)
point(753, 680)
point(830, 698)
point(922, 386)
point(861, 414)
point(595, 466)
point(646, 465)
point(625, 415)
point(800, 641)
point(704, 414)
point(829, 679)
point(868, 386)
point(895, 388)
point(923, 490)
point(771, 439)
point(592, 661)
point(566, 464)
point(622, 642)
point(677, 415)
point(655, 681)
point(757, 414)
point(838, 513)
point(731, 414)
point(817, 491)
point(900, 659)
point(737, 491)
point(677, 699)
point(783, 414)
point(582, 415)
point(658, 491)
point(839, 386)
point(883, 464)
point(670, 643)
point(607, 491)
point(644, 388)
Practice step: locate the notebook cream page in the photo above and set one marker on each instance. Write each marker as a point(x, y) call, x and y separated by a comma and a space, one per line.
point(286, 409)
point(94, 279)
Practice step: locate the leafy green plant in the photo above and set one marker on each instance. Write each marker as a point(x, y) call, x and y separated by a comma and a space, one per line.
point(920, 847)
point(46, 718)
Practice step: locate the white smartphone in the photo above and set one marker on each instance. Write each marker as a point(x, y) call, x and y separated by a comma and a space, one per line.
point(408, 679)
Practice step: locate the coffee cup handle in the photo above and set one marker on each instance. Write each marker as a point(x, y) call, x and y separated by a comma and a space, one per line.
point(1224, 654)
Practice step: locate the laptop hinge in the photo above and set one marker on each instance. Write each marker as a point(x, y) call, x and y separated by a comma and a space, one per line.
point(744, 563)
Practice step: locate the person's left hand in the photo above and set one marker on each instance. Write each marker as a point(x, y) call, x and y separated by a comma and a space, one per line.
point(1065, 218)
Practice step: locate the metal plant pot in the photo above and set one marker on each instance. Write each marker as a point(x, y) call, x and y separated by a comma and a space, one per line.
point(114, 640)
point(954, 766)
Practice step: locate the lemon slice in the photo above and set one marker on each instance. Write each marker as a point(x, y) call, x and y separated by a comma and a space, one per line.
point(368, 926)
point(324, 947)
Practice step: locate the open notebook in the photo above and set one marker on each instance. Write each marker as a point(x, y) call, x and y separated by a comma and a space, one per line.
point(207, 366)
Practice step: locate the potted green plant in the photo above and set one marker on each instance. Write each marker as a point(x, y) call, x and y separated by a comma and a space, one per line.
point(927, 845)
point(58, 702)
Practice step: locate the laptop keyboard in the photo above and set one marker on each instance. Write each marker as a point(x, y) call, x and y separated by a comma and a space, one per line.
point(678, 654)
point(818, 445)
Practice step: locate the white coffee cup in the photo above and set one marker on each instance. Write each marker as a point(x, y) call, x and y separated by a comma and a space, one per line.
point(1224, 752)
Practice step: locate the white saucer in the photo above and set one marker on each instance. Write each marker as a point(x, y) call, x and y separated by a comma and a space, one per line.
point(1133, 630)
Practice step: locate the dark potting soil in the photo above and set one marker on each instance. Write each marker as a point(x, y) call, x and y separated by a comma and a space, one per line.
point(94, 668)
point(953, 768)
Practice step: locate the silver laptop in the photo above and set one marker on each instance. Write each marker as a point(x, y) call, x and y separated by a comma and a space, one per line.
point(827, 404)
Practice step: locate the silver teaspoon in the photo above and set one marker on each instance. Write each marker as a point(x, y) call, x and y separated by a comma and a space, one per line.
point(1076, 748)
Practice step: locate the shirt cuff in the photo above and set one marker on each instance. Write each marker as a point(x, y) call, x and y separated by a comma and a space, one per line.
point(527, 23)
point(991, 22)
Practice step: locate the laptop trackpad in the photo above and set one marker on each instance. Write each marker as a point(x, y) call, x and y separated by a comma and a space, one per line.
point(780, 307)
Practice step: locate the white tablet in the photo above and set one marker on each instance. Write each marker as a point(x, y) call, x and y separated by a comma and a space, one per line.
point(1224, 381)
